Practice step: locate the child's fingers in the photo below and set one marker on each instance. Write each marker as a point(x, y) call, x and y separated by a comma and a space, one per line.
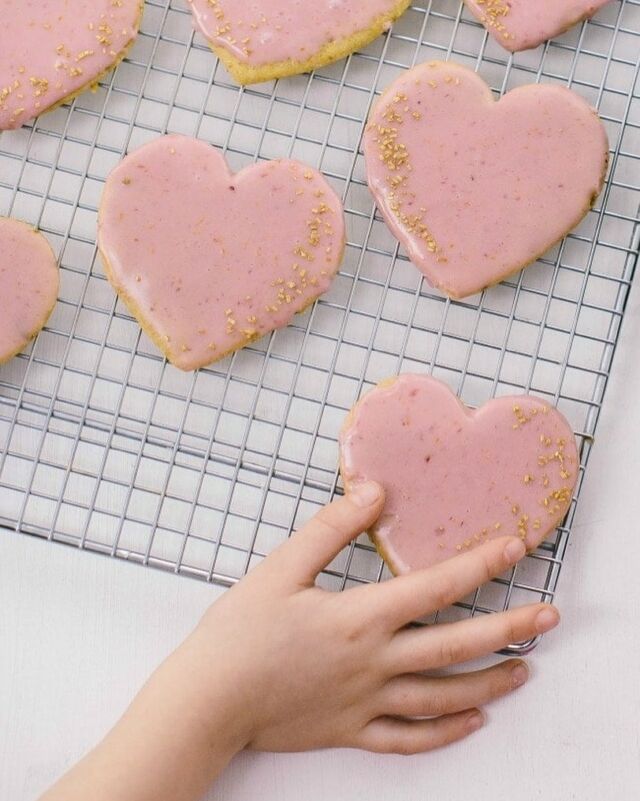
point(394, 736)
point(311, 549)
point(437, 646)
point(414, 696)
point(416, 594)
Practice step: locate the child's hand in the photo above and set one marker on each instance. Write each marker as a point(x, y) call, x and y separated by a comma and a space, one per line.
point(311, 669)
point(278, 664)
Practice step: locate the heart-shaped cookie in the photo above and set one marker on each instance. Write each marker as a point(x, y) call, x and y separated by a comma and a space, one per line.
point(523, 24)
point(454, 477)
point(51, 50)
point(208, 261)
point(476, 189)
point(29, 278)
point(260, 40)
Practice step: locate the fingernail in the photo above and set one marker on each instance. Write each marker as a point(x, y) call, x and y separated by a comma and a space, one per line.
point(519, 675)
point(514, 551)
point(547, 619)
point(365, 494)
point(475, 721)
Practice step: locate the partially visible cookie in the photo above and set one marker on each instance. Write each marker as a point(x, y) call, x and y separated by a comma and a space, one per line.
point(524, 24)
point(260, 40)
point(477, 189)
point(209, 261)
point(51, 50)
point(455, 478)
point(29, 279)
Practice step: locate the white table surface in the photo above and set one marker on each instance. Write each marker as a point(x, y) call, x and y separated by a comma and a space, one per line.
point(79, 633)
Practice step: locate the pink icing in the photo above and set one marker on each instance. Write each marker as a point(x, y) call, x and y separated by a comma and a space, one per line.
point(208, 260)
point(49, 49)
point(28, 285)
point(259, 32)
point(523, 24)
point(454, 477)
point(476, 189)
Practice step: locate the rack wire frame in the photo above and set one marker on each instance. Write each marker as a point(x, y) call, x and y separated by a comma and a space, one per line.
point(105, 446)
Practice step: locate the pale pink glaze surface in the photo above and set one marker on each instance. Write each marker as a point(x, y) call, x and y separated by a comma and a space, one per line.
point(29, 279)
point(49, 49)
point(455, 477)
point(523, 24)
point(208, 260)
point(259, 32)
point(476, 189)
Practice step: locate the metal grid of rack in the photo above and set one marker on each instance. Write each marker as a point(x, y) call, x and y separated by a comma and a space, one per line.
point(106, 447)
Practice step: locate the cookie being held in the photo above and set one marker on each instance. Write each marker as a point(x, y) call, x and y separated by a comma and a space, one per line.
point(29, 279)
point(51, 50)
point(524, 24)
point(209, 261)
point(260, 40)
point(477, 189)
point(454, 477)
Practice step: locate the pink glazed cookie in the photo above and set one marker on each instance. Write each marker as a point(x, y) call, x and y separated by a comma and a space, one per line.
point(477, 189)
point(260, 40)
point(29, 279)
point(51, 50)
point(523, 24)
point(455, 477)
point(209, 261)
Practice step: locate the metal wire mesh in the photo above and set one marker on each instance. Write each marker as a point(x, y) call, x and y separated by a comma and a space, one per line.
point(106, 447)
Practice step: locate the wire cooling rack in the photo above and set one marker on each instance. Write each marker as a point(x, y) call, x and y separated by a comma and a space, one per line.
point(106, 447)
